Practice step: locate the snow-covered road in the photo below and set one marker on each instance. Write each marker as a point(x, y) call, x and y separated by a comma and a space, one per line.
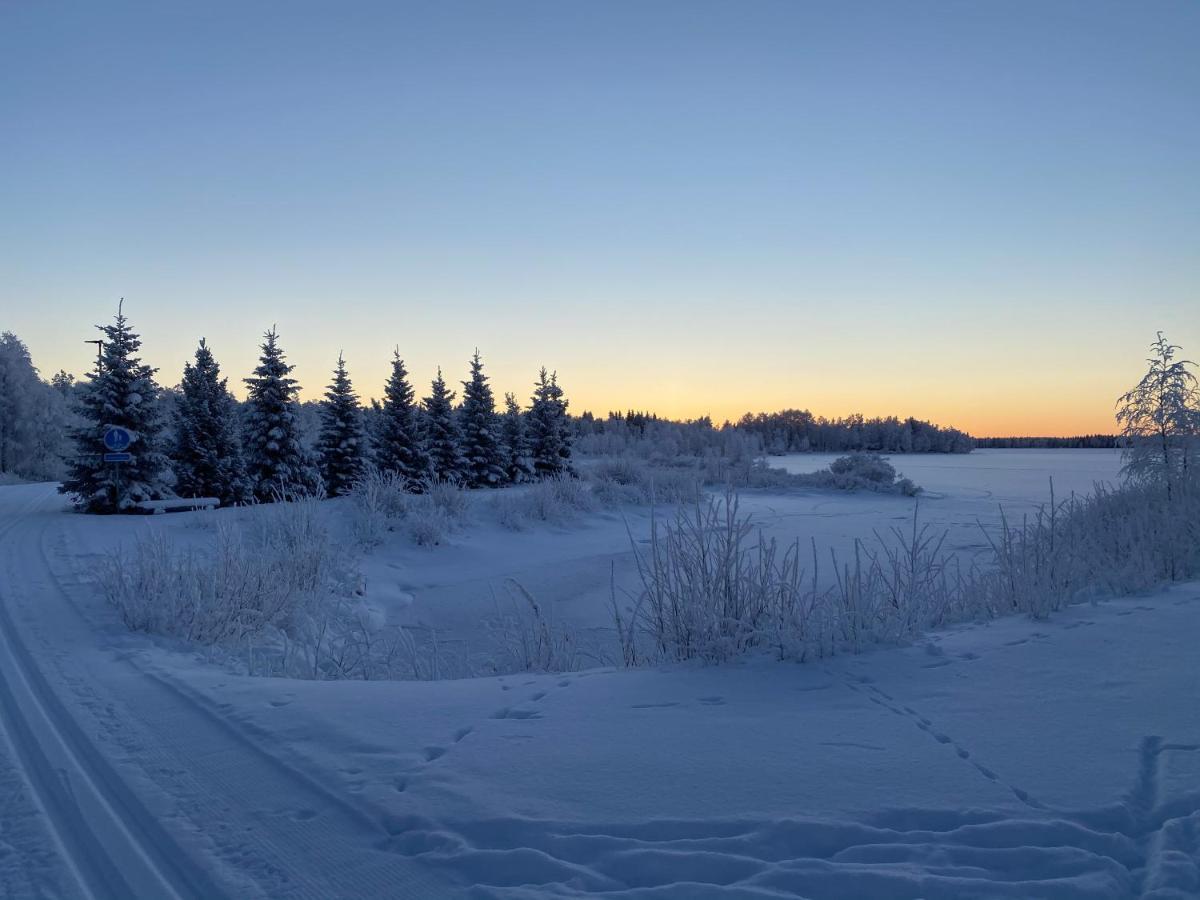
point(139, 790)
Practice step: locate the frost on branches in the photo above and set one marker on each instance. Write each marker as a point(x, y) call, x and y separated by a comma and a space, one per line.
point(399, 448)
point(442, 439)
point(1160, 419)
point(481, 444)
point(208, 450)
point(120, 393)
point(276, 461)
point(342, 442)
point(549, 428)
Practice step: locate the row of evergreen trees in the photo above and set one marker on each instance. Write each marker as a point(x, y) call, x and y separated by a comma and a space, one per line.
point(240, 453)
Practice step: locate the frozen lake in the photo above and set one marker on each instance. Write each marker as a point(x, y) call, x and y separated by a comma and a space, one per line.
point(1002, 476)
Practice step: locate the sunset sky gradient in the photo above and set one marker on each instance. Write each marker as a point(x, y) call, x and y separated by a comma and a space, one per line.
point(975, 213)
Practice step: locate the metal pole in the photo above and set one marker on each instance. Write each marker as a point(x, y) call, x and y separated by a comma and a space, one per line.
point(99, 354)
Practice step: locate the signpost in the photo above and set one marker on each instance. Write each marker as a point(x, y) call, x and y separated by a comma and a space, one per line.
point(117, 441)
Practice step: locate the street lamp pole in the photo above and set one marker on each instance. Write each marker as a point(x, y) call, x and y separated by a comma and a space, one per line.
point(99, 353)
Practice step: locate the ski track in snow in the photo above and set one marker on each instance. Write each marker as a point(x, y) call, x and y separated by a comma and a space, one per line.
point(278, 831)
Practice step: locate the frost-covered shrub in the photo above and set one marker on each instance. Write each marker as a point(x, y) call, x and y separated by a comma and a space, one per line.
point(267, 578)
point(526, 637)
point(382, 503)
point(864, 466)
point(280, 596)
point(556, 500)
point(448, 497)
point(428, 524)
point(713, 588)
point(379, 499)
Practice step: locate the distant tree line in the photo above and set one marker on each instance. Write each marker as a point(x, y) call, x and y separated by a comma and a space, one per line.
point(789, 431)
point(1090, 441)
point(799, 431)
point(198, 441)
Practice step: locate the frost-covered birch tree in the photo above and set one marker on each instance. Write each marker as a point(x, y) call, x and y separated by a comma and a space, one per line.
point(1160, 420)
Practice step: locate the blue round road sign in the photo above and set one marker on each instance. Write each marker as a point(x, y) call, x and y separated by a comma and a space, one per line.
point(117, 438)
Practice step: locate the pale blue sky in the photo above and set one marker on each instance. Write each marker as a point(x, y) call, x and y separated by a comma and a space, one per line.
point(978, 212)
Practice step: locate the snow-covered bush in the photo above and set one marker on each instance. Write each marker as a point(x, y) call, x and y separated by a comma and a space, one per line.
point(713, 588)
point(269, 577)
point(279, 595)
point(383, 503)
point(556, 500)
point(526, 637)
point(379, 498)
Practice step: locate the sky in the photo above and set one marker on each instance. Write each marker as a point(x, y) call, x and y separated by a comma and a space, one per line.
point(977, 213)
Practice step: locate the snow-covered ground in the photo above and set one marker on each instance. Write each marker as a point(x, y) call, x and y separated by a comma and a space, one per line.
point(1054, 759)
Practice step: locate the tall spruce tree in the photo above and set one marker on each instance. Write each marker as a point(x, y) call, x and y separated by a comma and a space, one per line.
point(518, 459)
point(342, 443)
point(443, 442)
point(120, 393)
point(549, 428)
point(399, 446)
point(208, 450)
point(481, 443)
point(276, 461)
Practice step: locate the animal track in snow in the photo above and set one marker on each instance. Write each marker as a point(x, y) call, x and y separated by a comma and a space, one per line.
point(509, 713)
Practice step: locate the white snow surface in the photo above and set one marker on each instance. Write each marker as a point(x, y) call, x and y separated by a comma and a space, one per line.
point(1053, 759)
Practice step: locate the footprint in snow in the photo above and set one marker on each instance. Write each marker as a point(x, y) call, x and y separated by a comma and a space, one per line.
point(713, 701)
point(510, 713)
point(666, 705)
point(432, 753)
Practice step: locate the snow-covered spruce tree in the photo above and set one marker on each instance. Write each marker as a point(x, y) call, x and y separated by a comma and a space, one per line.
point(549, 428)
point(481, 444)
point(208, 449)
point(518, 456)
point(342, 444)
point(442, 440)
point(276, 462)
point(399, 446)
point(121, 392)
point(1160, 419)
